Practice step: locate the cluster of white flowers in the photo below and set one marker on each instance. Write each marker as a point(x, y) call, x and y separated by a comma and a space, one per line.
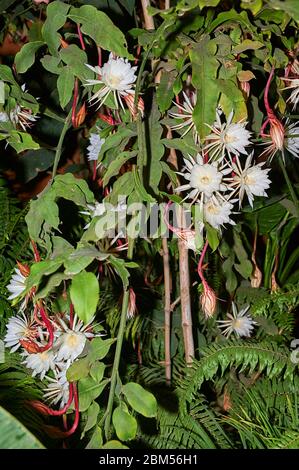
point(218, 178)
point(29, 334)
point(94, 147)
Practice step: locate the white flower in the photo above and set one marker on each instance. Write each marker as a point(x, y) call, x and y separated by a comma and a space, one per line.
point(203, 177)
point(58, 389)
point(228, 137)
point(117, 76)
point(292, 139)
point(95, 146)
point(71, 341)
point(239, 323)
point(94, 210)
point(252, 180)
point(293, 84)
point(217, 212)
point(4, 116)
point(185, 114)
point(17, 284)
point(40, 363)
point(22, 116)
point(19, 327)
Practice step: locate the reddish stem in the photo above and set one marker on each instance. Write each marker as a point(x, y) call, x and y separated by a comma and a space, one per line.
point(200, 263)
point(71, 315)
point(77, 414)
point(37, 320)
point(49, 327)
point(74, 105)
point(49, 411)
point(94, 173)
point(35, 251)
point(266, 100)
point(80, 37)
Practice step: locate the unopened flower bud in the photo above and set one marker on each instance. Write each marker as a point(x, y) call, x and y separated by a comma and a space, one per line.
point(208, 301)
point(245, 87)
point(130, 101)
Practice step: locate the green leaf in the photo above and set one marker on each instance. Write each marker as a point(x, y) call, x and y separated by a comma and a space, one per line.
point(97, 371)
point(21, 141)
point(92, 416)
point(246, 45)
point(114, 445)
point(76, 59)
point(65, 86)
point(14, 435)
point(116, 165)
point(204, 71)
point(97, 25)
point(155, 148)
point(6, 75)
point(89, 390)
point(96, 441)
point(233, 100)
point(84, 293)
point(140, 399)
point(124, 424)
point(42, 210)
point(52, 283)
point(56, 18)
point(26, 56)
point(212, 236)
point(120, 267)
point(99, 348)
point(35, 161)
point(288, 6)
point(73, 189)
point(43, 268)
point(165, 92)
point(79, 260)
point(123, 186)
point(51, 64)
point(78, 370)
point(208, 3)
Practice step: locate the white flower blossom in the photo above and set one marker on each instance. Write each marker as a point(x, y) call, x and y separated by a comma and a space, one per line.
point(228, 137)
point(185, 114)
point(204, 178)
point(252, 180)
point(17, 284)
point(19, 327)
point(239, 323)
point(94, 147)
point(117, 76)
point(71, 341)
point(22, 116)
point(217, 212)
point(40, 363)
point(292, 139)
point(57, 390)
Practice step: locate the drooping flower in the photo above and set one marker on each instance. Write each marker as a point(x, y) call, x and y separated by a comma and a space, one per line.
point(94, 147)
point(17, 284)
point(57, 390)
point(228, 137)
point(203, 177)
point(40, 363)
point(239, 323)
point(23, 117)
point(208, 301)
point(185, 114)
point(72, 340)
point(252, 179)
point(117, 76)
point(19, 328)
point(217, 212)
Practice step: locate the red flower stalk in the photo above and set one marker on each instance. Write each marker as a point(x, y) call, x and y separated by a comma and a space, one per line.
point(208, 297)
point(277, 131)
point(80, 37)
point(32, 347)
point(45, 410)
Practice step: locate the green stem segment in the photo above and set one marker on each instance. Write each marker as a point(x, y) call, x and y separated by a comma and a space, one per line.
point(59, 145)
point(119, 343)
point(289, 184)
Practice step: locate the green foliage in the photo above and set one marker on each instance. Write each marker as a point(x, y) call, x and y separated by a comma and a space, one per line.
point(14, 435)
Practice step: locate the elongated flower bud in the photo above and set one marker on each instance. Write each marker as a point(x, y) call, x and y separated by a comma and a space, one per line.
point(208, 301)
point(277, 133)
